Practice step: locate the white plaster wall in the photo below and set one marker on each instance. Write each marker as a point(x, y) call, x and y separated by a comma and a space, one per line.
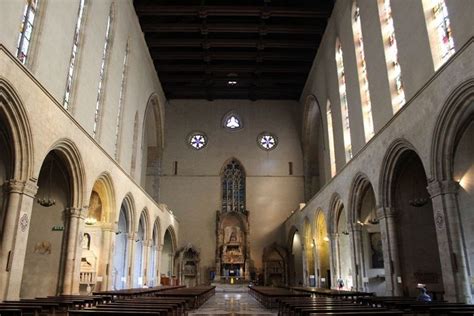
point(50, 56)
point(195, 193)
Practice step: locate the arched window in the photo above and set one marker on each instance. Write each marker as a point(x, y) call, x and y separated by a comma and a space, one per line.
point(120, 104)
point(332, 154)
point(26, 30)
point(362, 72)
point(439, 31)
point(233, 187)
point(133, 166)
point(343, 96)
point(74, 55)
point(391, 55)
point(103, 66)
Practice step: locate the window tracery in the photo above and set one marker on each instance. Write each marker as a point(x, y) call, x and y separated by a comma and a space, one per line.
point(121, 100)
point(233, 187)
point(332, 154)
point(267, 141)
point(197, 140)
point(232, 121)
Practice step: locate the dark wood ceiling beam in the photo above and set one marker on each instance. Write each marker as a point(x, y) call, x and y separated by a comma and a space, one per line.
point(205, 11)
point(178, 55)
point(232, 28)
point(231, 68)
point(231, 43)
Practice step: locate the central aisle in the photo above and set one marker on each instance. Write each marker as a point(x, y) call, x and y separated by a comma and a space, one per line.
point(232, 303)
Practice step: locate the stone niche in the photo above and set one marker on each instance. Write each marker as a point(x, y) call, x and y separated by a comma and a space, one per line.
point(187, 266)
point(232, 246)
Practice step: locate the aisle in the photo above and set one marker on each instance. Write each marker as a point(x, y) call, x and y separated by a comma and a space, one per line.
point(232, 304)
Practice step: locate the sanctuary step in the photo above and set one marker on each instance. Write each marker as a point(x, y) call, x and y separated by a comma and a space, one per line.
point(230, 288)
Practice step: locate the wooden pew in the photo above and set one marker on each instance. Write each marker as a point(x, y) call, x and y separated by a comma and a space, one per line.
point(269, 296)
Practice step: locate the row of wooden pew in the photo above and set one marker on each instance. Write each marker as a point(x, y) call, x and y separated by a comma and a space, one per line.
point(312, 301)
point(164, 300)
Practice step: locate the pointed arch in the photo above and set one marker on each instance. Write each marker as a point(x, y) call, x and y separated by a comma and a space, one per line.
point(454, 118)
point(105, 184)
point(128, 205)
point(133, 163)
point(152, 147)
point(13, 115)
point(359, 186)
point(170, 229)
point(67, 150)
point(313, 145)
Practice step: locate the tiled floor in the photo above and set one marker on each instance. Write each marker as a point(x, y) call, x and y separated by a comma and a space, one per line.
point(233, 304)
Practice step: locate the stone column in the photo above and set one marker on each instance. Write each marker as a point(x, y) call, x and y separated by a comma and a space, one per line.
point(130, 261)
point(72, 265)
point(159, 251)
point(20, 196)
point(358, 255)
point(450, 240)
point(335, 259)
point(391, 258)
point(305, 265)
point(107, 254)
point(146, 261)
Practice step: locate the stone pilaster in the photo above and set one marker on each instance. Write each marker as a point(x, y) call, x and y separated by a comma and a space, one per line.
point(72, 265)
point(335, 258)
point(391, 257)
point(107, 255)
point(20, 195)
point(305, 266)
point(130, 262)
point(450, 240)
point(146, 260)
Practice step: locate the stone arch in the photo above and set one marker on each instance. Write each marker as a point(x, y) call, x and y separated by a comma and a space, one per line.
point(313, 145)
point(69, 153)
point(323, 273)
point(296, 264)
point(407, 206)
point(368, 249)
point(154, 266)
point(335, 205)
point(14, 116)
point(173, 235)
point(152, 146)
point(452, 188)
point(456, 114)
point(106, 185)
point(395, 151)
point(128, 203)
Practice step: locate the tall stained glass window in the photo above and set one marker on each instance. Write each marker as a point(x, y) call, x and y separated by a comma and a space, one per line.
point(26, 30)
point(120, 104)
point(233, 187)
point(391, 55)
point(332, 154)
point(362, 72)
point(343, 97)
point(74, 55)
point(439, 31)
point(103, 66)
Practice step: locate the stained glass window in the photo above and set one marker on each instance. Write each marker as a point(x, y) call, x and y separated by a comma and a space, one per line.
point(332, 154)
point(74, 55)
point(26, 30)
point(233, 122)
point(391, 55)
point(267, 141)
point(233, 187)
point(343, 96)
point(362, 72)
point(439, 30)
point(103, 66)
point(198, 140)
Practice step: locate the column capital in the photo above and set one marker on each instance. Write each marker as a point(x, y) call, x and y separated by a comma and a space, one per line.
point(442, 187)
point(76, 212)
point(28, 188)
point(384, 212)
point(108, 227)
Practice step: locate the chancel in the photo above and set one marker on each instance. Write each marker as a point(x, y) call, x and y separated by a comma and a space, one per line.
point(227, 157)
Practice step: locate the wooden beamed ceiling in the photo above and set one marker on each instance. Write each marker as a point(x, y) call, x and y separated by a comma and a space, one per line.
point(229, 49)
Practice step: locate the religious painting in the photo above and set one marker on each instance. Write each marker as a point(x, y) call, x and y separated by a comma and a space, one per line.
point(376, 250)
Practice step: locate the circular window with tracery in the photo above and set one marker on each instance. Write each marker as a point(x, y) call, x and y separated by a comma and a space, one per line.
point(197, 140)
point(267, 141)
